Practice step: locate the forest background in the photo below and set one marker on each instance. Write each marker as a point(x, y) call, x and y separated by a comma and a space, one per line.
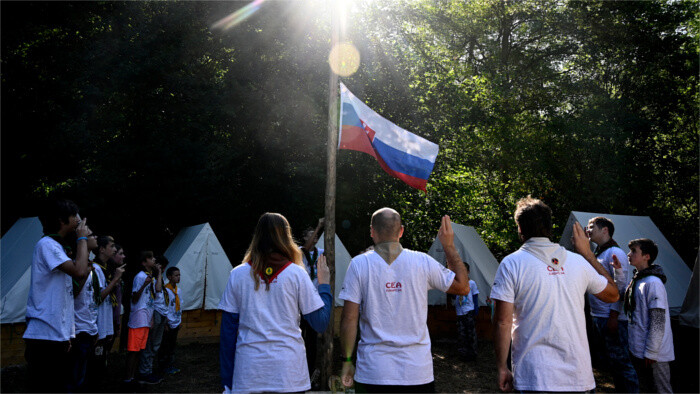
point(151, 120)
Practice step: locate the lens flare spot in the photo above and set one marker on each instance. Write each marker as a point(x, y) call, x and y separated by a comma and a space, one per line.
point(239, 16)
point(344, 59)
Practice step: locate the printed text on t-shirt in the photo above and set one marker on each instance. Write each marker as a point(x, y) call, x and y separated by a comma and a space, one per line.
point(392, 286)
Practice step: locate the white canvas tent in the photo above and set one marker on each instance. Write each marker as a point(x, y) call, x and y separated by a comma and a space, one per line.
point(342, 262)
point(628, 228)
point(472, 250)
point(204, 267)
point(16, 250)
point(691, 304)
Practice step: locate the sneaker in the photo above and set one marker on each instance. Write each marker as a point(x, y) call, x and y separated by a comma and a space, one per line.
point(172, 370)
point(151, 378)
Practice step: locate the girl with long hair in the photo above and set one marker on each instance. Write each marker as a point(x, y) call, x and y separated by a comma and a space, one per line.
point(262, 306)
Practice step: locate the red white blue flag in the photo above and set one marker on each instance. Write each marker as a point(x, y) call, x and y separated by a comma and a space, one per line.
point(399, 152)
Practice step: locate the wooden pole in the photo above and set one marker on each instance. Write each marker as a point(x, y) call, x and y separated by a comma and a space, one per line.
point(329, 232)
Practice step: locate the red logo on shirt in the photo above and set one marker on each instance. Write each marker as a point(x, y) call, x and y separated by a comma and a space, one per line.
point(392, 286)
point(552, 271)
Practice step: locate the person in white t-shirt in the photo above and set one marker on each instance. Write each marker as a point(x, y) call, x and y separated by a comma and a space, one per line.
point(467, 309)
point(50, 320)
point(263, 302)
point(97, 361)
point(386, 290)
point(166, 354)
point(155, 334)
point(609, 331)
point(646, 304)
point(85, 306)
point(143, 295)
point(539, 292)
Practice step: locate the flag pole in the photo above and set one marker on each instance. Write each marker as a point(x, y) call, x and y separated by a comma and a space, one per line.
point(326, 366)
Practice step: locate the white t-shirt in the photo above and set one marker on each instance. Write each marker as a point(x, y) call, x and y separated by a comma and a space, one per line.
point(465, 304)
point(105, 324)
point(650, 293)
point(50, 302)
point(174, 317)
point(550, 348)
point(600, 308)
point(270, 353)
point(394, 346)
point(86, 308)
point(159, 302)
point(142, 309)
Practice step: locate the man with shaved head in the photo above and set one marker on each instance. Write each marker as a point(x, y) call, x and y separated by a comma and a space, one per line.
point(386, 291)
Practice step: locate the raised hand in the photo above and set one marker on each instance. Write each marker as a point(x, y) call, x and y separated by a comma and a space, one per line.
point(445, 234)
point(322, 271)
point(616, 262)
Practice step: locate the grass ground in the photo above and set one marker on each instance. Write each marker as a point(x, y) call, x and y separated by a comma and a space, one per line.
point(199, 364)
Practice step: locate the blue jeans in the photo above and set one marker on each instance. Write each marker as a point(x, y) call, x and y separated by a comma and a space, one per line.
point(615, 351)
point(155, 337)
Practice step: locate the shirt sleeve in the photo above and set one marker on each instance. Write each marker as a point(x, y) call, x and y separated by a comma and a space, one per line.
point(228, 298)
point(351, 290)
point(309, 299)
point(54, 255)
point(439, 276)
point(503, 288)
point(472, 288)
point(656, 295)
point(622, 285)
point(596, 282)
point(139, 279)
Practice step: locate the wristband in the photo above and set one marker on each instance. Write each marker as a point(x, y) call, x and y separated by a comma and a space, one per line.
point(347, 360)
point(81, 238)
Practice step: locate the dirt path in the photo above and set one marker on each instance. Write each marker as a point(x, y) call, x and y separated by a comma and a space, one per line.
point(200, 372)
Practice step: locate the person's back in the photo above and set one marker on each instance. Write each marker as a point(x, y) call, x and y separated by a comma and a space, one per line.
point(550, 347)
point(394, 303)
point(539, 294)
point(386, 290)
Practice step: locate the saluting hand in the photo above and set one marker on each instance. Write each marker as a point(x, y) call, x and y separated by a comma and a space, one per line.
point(446, 235)
point(616, 263)
point(322, 271)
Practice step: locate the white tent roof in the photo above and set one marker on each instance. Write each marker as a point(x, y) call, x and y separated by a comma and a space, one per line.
point(16, 250)
point(342, 262)
point(472, 250)
point(628, 228)
point(204, 267)
point(691, 304)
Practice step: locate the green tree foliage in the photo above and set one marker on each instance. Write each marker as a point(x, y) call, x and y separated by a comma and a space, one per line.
point(589, 105)
point(152, 120)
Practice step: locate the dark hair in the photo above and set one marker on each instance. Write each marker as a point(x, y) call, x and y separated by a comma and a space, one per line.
point(647, 246)
point(533, 217)
point(117, 247)
point(146, 254)
point(603, 222)
point(103, 241)
point(162, 261)
point(386, 223)
point(55, 212)
point(170, 271)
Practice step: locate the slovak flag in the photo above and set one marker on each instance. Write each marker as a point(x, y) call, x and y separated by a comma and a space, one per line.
point(399, 152)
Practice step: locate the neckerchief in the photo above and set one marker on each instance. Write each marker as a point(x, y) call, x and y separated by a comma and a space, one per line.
point(629, 302)
point(166, 297)
point(311, 257)
point(108, 279)
point(602, 248)
point(173, 288)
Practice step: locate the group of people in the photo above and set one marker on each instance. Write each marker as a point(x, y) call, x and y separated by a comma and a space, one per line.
point(539, 294)
point(539, 309)
point(279, 298)
point(74, 307)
